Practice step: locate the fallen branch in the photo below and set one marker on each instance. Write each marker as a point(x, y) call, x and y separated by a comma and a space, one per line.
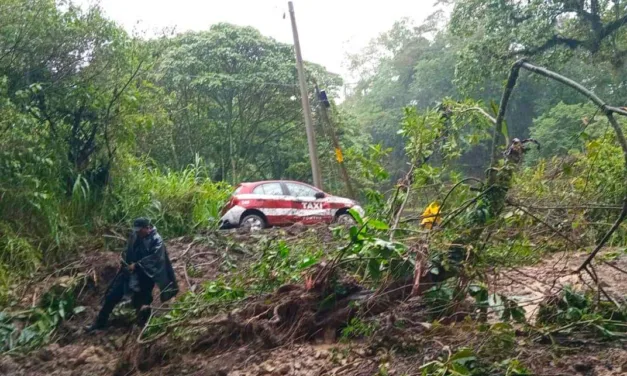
point(607, 237)
point(607, 110)
point(555, 231)
point(399, 213)
point(498, 135)
point(571, 207)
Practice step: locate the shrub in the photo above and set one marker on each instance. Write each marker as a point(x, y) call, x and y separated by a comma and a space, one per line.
point(177, 201)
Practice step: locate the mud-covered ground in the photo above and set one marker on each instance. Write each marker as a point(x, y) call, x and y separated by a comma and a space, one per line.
point(390, 350)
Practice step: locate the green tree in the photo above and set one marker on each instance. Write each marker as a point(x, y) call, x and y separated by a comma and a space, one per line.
point(565, 128)
point(74, 71)
point(410, 66)
point(68, 84)
point(549, 32)
point(233, 99)
point(387, 79)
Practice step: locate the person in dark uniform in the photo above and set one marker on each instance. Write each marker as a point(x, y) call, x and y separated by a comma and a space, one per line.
point(145, 264)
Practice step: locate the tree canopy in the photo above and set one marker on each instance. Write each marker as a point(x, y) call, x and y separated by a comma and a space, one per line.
point(233, 100)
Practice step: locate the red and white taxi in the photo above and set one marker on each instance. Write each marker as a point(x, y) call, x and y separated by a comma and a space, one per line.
point(281, 203)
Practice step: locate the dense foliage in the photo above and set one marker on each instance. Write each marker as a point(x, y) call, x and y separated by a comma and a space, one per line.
point(98, 126)
point(470, 54)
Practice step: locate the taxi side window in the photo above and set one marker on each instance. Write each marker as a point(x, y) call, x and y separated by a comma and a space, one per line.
point(300, 190)
point(272, 189)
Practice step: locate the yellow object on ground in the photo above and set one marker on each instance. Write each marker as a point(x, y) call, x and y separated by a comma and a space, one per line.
point(431, 215)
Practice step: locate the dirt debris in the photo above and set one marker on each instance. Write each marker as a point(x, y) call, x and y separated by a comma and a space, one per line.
point(399, 350)
point(530, 285)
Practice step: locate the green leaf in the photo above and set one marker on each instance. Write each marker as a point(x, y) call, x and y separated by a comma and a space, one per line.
point(356, 216)
point(307, 262)
point(463, 356)
point(518, 314)
point(501, 328)
point(378, 225)
point(27, 335)
point(494, 107)
point(354, 232)
point(431, 364)
point(374, 269)
point(459, 370)
point(505, 132)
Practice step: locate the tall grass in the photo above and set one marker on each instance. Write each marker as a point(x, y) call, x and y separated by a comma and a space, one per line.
point(41, 223)
point(178, 202)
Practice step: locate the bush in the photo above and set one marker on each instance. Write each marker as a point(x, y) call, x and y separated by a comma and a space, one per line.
point(42, 224)
point(564, 128)
point(178, 202)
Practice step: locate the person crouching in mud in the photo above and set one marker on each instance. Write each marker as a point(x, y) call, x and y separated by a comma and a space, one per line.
point(145, 264)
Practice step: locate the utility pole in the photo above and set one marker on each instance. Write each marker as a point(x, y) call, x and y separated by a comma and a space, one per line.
point(324, 104)
point(311, 137)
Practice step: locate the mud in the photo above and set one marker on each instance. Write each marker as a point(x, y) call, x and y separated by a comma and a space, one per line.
point(314, 347)
point(530, 285)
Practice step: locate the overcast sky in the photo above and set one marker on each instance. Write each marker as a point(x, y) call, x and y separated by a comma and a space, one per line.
point(329, 29)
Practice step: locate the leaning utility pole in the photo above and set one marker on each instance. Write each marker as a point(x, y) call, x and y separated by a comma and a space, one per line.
point(324, 105)
point(311, 138)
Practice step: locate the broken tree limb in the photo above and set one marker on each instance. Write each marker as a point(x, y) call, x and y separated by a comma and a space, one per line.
point(539, 220)
point(609, 113)
point(498, 136)
point(399, 213)
point(573, 84)
point(606, 237)
point(487, 207)
point(481, 111)
point(608, 110)
point(448, 194)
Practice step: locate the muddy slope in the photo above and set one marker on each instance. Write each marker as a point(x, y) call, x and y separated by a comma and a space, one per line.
point(390, 350)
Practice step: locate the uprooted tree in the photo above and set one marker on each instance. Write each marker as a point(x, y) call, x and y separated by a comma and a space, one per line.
point(490, 202)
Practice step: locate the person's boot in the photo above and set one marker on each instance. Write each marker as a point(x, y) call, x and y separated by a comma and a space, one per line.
point(96, 325)
point(143, 315)
point(101, 320)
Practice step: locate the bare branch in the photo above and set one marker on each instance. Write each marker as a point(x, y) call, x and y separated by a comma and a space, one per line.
point(554, 41)
point(607, 236)
point(609, 111)
point(497, 136)
point(481, 111)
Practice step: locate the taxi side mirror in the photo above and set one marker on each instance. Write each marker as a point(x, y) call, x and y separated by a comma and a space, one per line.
point(319, 195)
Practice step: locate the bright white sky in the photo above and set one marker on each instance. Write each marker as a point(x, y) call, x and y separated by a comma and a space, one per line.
point(328, 29)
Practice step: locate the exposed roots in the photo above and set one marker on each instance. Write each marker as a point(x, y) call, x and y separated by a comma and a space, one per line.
point(294, 313)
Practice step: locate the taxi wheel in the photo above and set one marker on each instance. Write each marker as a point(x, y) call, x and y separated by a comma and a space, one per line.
point(345, 219)
point(252, 222)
